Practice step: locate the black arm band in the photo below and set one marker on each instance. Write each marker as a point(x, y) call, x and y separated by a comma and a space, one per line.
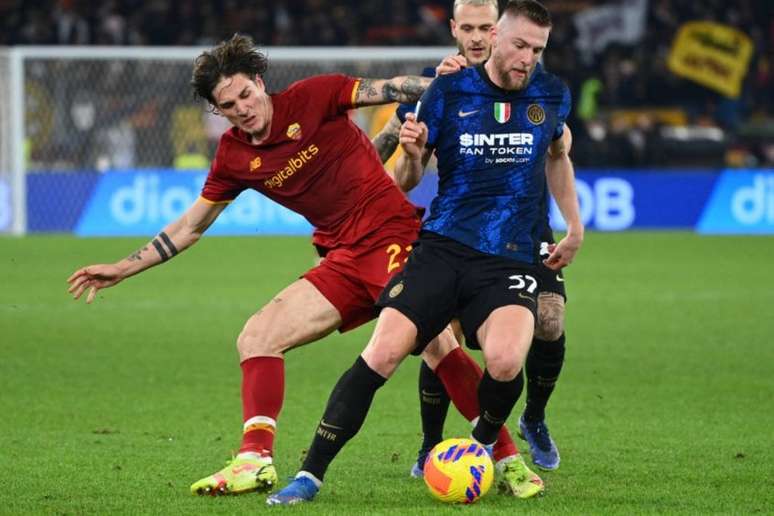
point(160, 250)
point(172, 249)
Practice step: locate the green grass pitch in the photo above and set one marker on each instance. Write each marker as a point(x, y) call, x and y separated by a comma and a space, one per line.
point(666, 403)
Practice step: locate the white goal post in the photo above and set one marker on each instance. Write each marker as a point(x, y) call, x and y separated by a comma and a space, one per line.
point(69, 114)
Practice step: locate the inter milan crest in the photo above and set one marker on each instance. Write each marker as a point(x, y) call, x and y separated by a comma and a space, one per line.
point(535, 114)
point(294, 131)
point(396, 290)
point(502, 111)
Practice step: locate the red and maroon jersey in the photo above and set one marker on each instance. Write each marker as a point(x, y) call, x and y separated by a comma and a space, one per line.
point(316, 162)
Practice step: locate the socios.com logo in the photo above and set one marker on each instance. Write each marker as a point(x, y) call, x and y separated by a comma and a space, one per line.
point(742, 202)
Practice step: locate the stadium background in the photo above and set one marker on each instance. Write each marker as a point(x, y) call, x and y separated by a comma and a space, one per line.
point(680, 111)
point(664, 404)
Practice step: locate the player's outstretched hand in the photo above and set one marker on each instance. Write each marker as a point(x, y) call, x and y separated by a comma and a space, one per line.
point(563, 253)
point(451, 64)
point(93, 278)
point(413, 136)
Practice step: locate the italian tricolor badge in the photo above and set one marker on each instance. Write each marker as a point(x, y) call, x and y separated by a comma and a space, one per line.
point(502, 111)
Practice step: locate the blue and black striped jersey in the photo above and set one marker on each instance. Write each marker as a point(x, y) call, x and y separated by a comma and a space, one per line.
point(491, 146)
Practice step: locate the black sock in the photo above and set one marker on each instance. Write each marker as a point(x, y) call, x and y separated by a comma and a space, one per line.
point(496, 400)
point(544, 363)
point(347, 409)
point(433, 406)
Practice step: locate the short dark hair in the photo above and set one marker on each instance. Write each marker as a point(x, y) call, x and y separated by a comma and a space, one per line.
point(228, 58)
point(530, 9)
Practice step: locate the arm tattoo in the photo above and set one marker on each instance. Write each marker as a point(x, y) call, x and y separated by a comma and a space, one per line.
point(414, 88)
point(388, 138)
point(159, 243)
point(135, 256)
point(160, 250)
point(405, 89)
point(170, 245)
point(366, 89)
point(399, 89)
point(391, 91)
point(385, 143)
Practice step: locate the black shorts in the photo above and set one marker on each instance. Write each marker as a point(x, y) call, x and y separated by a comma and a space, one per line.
point(445, 279)
point(549, 279)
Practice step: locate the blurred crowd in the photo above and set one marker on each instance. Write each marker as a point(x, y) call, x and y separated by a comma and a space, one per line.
point(204, 22)
point(630, 109)
point(643, 114)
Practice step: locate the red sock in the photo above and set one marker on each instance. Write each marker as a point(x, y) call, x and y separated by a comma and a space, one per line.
point(263, 390)
point(460, 375)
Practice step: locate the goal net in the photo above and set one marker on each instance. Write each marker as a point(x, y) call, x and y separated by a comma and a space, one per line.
point(110, 141)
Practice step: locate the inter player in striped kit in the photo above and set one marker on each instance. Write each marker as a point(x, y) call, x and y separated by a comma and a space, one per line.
point(494, 129)
point(470, 26)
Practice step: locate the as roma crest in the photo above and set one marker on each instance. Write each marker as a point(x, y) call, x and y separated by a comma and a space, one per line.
point(294, 131)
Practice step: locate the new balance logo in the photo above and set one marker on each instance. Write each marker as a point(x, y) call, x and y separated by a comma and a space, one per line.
point(463, 114)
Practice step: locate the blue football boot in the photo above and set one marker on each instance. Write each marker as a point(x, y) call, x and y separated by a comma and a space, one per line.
point(543, 449)
point(418, 469)
point(301, 489)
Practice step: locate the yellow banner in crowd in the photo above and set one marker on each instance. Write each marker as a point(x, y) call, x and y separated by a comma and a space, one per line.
point(712, 54)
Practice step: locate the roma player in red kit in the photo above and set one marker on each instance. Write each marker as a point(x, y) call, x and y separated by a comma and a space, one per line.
point(316, 162)
point(299, 148)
